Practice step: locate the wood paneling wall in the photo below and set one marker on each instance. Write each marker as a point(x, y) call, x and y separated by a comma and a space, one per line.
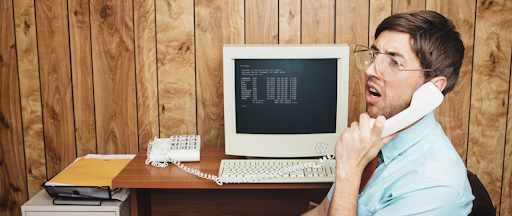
point(106, 76)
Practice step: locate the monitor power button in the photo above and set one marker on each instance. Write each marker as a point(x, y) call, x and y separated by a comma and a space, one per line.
point(320, 148)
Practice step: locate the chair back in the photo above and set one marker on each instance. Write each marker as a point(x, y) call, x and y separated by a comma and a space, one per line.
point(482, 205)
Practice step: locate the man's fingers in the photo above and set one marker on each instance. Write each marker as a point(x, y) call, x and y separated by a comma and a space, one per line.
point(364, 124)
point(354, 124)
point(378, 127)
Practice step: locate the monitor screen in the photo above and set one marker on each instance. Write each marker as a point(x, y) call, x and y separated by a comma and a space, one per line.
point(285, 96)
point(284, 100)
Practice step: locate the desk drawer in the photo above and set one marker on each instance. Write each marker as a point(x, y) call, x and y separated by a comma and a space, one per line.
point(60, 213)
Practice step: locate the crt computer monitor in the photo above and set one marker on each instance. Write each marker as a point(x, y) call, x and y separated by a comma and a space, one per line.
point(284, 101)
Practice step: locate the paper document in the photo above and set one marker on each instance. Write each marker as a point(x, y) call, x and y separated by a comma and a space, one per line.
point(92, 170)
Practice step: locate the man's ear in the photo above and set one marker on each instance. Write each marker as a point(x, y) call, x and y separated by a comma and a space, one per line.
point(439, 82)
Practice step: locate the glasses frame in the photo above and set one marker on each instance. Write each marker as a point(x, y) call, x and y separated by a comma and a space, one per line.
point(374, 53)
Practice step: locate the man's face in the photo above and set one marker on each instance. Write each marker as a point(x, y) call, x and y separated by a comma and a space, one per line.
point(389, 97)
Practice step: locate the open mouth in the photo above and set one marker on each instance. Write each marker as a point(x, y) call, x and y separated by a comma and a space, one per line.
point(373, 92)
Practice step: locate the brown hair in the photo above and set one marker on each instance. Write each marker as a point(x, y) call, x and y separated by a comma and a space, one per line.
point(434, 40)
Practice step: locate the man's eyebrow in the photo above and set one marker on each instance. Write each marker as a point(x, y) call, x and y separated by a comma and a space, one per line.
point(395, 54)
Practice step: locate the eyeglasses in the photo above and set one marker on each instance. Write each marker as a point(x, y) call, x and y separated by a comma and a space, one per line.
point(385, 63)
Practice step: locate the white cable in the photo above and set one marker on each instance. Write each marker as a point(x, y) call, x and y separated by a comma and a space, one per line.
point(196, 172)
point(221, 181)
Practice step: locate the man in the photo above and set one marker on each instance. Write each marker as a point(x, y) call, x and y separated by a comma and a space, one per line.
point(418, 171)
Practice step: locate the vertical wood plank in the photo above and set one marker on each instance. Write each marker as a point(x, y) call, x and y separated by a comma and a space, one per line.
point(30, 94)
point(55, 72)
point(453, 114)
point(506, 189)
point(261, 22)
point(400, 6)
point(217, 23)
point(81, 67)
point(145, 66)
point(352, 29)
point(318, 22)
point(379, 10)
point(176, 77)
point(114, 76)
point(12, 161)
point(289, 21)
point(489, 94)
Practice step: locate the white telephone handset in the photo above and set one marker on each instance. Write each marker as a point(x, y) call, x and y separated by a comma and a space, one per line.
point(424, 99)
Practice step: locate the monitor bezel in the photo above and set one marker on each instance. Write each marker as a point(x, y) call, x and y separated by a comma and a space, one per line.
point(283, 145)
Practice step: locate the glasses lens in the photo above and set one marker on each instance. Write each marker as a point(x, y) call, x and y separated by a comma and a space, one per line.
point(363, 56)
point(387, 66)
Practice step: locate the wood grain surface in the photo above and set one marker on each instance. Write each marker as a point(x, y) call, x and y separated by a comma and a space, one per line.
point(13, 181)
point(176, 81)
point(261, 22)
point(114, 76)
point(217, 23)
point(506, 191)
point(146, 71)
point(400, 6)
point(454, 111)
point(318, 22)
point(350, 16)
point(379, 10)
point(489, 95)
point(289, 21)
point(30, 94)
point(56, 89)
point(176, 75)
point(81, 67)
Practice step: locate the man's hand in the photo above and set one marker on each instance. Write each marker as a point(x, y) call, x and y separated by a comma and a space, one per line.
point(355, 148)
point(359, 143)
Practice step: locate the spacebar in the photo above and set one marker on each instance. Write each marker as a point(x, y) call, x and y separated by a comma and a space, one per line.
point(293, 180)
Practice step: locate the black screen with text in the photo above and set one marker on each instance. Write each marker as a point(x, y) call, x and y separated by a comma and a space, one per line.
point(285, 96)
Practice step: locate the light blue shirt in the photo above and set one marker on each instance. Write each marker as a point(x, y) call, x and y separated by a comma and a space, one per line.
point(418, 173)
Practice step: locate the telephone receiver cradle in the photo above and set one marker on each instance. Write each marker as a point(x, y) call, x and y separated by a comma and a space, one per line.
point(424, 100)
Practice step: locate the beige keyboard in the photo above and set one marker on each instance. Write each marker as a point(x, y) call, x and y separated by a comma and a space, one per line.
point(249, 168)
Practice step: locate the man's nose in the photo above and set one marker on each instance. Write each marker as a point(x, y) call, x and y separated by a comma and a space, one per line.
point(371, 70)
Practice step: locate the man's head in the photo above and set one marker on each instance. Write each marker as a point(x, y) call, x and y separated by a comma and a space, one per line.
point(418, 41)
point(434, 40)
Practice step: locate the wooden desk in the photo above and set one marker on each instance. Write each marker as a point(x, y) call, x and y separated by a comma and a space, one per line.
point(171, 191)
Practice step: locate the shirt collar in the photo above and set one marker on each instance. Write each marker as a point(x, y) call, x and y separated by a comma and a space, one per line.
point(407, 138)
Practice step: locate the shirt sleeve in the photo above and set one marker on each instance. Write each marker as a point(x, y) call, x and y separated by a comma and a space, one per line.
point(331, 191)
point(438, 199)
